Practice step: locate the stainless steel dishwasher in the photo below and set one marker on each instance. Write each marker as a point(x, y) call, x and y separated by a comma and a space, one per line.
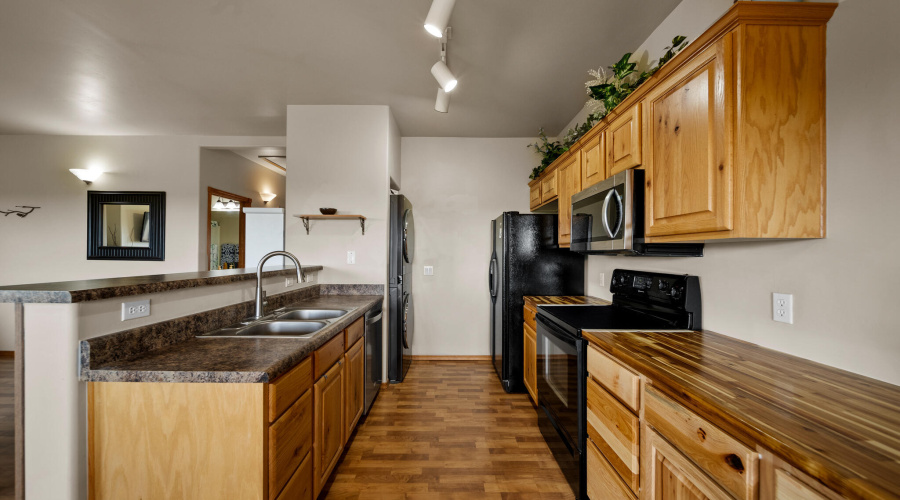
point(373, 355)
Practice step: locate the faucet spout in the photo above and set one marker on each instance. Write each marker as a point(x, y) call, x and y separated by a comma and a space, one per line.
point(260, 308)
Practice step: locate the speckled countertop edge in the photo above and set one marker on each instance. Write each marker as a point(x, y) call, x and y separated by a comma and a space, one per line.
point(67, 292)
point(286, 353)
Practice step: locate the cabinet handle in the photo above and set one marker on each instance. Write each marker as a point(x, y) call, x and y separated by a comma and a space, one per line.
point(735, 462)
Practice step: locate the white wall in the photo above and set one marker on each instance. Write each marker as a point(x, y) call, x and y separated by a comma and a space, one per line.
point(227, 171)
point(457, 186)
point(843, 285)
point(50, 244)
point(394, 153)
point(338, 158)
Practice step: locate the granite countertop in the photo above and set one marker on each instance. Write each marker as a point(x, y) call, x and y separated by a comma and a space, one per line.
point(231, 360)
point(86, 290)
point(838, 427)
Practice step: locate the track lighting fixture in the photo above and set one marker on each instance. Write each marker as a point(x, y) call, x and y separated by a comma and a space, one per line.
point(438, 17)
point(442, 104)
point(443, 76)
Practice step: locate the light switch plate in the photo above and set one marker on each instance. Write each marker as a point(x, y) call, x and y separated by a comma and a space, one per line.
point(429, 270)
point(783, 308)
point(136, 309)
point(351, 257)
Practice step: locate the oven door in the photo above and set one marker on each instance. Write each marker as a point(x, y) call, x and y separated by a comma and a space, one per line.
point(561, 398)
point(603, 215)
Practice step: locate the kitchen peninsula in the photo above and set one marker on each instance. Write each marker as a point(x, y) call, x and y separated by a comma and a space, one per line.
point(54, 406)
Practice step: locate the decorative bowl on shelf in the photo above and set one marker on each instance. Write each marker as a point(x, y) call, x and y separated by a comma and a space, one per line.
point(328, 211)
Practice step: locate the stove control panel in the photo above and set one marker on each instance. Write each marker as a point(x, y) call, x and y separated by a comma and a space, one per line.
point(671, 289)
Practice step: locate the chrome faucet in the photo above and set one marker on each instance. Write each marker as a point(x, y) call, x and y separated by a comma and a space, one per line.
point(259, 287)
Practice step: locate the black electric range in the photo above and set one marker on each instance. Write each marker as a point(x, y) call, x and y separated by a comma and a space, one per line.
point(641, 301)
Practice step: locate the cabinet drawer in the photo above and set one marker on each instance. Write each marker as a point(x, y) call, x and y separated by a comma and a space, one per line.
point(290, 439)
point(548, 187)
point(733, 465)
point(623, 142)
point(328, 355)
point(288, 387)
point(529, 317)
point(300, 486)
point(615, 431)
point(354, 332)
point(602, 481)
point(535, 195)
point(618, 380)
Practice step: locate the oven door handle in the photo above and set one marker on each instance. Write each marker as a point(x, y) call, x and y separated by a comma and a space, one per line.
point(556, 331)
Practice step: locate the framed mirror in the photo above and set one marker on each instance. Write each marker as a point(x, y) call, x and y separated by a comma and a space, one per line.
point(126, 225)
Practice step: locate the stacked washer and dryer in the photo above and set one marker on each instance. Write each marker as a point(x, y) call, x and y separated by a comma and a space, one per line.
point(400, 301)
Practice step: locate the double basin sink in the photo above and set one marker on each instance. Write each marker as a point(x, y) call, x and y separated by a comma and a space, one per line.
point(289, 322)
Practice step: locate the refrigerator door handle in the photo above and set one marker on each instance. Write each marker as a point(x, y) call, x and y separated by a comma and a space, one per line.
point(492, 277)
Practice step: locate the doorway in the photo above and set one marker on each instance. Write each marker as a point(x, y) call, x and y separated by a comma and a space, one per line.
point(225, 229)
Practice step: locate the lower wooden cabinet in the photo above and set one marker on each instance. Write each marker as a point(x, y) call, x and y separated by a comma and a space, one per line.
point(602, 481)
point(780, 481)
point(289, 443)
point(615, 431)
point(669, 475)
point(300, 486)
point(328, 435)
point(354, 379)
point(529, 348)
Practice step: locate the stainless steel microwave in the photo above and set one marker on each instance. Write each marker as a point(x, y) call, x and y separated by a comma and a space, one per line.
point(608, 218)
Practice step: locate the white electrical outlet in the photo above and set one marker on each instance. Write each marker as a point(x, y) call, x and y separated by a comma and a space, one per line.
point(351, 257)
point(429, 270)
point(601, 279)
point(289, 280)
point(783, 308)
point(136, 309)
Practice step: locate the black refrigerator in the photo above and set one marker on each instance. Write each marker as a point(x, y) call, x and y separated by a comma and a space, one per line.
point(400, 302)
point(525, 260)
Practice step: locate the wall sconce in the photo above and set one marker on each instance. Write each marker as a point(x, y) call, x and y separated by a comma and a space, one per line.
point(88, 175)
point(267, 197)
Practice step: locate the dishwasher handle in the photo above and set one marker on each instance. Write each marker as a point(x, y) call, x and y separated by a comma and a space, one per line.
point(374, 319)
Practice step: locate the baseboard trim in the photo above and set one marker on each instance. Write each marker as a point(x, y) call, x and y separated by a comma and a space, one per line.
point(452, 358)
point(7, 354)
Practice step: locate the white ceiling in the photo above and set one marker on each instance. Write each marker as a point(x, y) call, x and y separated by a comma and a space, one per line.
point(229, 67)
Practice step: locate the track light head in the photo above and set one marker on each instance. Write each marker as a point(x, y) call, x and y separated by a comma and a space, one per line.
point(444, 76)
point(442, 103)
point(438, 17)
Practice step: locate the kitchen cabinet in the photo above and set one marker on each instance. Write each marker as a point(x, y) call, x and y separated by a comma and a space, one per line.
point(568, 181)
point(602, 481)
point(328, 434)
point(669, 475)
point(535, 194)
point(530, 369)
point(615, 431)
point(624, 141)
point(730, 132)
point(548, 187)
point(354, 380)
point(780, 481)
point(593, 159)
point(689, 162)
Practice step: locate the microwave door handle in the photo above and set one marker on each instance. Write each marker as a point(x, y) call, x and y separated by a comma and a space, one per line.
point(604, 216)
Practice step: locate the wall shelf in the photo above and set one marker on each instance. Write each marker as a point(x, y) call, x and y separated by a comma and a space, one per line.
point(308, 217)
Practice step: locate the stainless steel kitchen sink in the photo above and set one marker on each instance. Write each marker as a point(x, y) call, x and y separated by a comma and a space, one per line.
point(298, 313)
point(271, 328)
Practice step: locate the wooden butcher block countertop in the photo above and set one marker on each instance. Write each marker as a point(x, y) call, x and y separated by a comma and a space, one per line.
point(841, 428)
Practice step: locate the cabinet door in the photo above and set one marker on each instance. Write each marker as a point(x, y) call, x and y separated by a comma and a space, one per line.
point(535, 195)
point(530, 350)
point(353, 378)
point(689, 122)
point(668, 475)
point(569, 183)
point(329, 424)
point(593, 161)
point(624, 141)
point(548, 187)
point(781, 481)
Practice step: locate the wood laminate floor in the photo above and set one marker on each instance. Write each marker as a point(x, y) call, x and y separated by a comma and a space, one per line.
point(448, 431)
point(7, 444)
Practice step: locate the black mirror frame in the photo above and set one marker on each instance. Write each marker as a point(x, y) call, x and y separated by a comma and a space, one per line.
point(157, 202)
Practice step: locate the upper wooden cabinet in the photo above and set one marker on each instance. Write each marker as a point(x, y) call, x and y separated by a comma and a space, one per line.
point(593, 160)
point(689, 161)
point(535, 189)
point(568, 181)
point(624, 141)
point(731, 131)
